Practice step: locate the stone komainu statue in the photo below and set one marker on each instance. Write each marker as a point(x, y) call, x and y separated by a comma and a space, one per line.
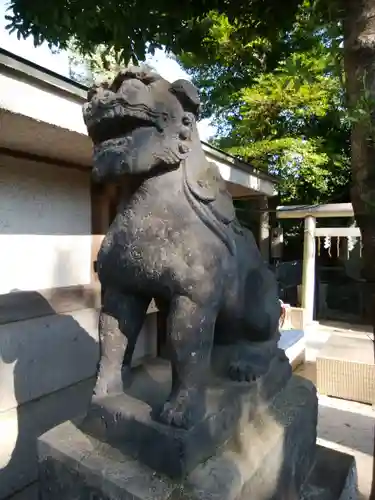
point(175, 240)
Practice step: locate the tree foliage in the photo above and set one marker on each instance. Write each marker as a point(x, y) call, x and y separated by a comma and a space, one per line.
point(284, 111)
point(100, 65)
point(133, 28)
point(269, 72)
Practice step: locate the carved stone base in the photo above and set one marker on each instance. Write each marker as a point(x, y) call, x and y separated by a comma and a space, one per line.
point(125, 421)
point(269, 457)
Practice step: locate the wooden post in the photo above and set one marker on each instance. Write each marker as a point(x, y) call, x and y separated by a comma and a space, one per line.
point(277, 243)
point(100, 220)
point(264, 228)
point(308, 269)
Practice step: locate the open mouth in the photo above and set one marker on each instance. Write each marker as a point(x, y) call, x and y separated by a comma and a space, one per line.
point(117, 127)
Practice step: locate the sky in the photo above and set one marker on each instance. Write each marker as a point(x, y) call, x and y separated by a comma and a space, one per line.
point(165, 66)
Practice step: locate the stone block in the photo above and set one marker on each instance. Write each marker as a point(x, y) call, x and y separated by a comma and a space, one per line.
point(126, 420)
point(332, 477)
point(268, 457)
point(43, 355)
point(21, 427)
point(74, 465)
point(64, 346)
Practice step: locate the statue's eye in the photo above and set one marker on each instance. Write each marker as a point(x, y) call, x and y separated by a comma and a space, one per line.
point(184, 134)
point(186, 120)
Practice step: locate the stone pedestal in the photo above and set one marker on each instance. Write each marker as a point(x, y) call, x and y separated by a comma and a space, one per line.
point(126, 421)
point(255, 441)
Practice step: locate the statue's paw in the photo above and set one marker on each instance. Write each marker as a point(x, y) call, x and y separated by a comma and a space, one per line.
point(172, 414)
point(108, 386)
point(181, 411)
point(246, 371)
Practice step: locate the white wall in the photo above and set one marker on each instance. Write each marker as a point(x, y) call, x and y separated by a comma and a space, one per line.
point(22, 97)
point(45, 226)
point(236, 176)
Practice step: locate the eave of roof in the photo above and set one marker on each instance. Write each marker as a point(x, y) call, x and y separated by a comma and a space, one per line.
point(15, 64)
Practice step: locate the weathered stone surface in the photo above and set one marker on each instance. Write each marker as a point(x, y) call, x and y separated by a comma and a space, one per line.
point(74, 466)
point(333, 477)
point(21, 427)
point(126, 420)
point(29, 493)
point(269, 456)
point(64, 346)
point(175, 239)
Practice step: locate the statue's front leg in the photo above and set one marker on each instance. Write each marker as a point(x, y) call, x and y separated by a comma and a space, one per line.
point(112, 344)
point(190, 330)
point(120, 321)
point(260, 327)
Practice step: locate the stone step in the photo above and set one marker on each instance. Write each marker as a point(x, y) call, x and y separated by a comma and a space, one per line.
point(333, 477)
point(21, 427)
point(268, 457)
point(126, 420)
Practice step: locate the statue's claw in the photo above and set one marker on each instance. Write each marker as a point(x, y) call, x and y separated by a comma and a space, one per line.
point(242, 372)
point(251, 362)
point(108, 386)
point(182, 410)
point(249, 367)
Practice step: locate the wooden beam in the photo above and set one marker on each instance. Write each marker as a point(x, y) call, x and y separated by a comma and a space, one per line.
point(334, 232)
point(54, 162)
point(302, 211)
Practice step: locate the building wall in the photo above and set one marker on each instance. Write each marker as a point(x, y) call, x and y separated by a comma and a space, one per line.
point(48, 312)
point(47, 359)
point(45, 226)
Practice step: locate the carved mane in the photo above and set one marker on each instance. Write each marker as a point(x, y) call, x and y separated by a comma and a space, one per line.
point(137, 99)
point(206, 193)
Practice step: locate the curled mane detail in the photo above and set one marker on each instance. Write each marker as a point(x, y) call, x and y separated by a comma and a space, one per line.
point(218, 221)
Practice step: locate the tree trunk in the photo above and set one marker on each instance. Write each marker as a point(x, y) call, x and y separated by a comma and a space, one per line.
point(359, 58)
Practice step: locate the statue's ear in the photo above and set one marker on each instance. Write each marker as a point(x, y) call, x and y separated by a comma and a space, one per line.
point(188, 96)
point(206, 183)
